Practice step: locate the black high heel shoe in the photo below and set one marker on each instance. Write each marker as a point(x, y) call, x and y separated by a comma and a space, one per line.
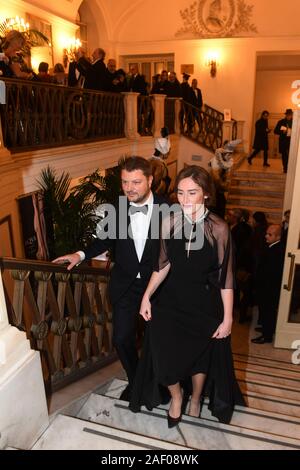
point(172, 422)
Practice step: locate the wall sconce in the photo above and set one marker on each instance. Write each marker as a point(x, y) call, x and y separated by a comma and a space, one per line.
point(69, 52)
point(212, 62)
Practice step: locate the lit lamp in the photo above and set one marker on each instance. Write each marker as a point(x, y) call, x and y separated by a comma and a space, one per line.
point(18, 24)
point(69, 52)
point(212, 62)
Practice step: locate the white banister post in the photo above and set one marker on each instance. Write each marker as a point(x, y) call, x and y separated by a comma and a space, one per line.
point(131, 115)
point(177, 115)
point(240, 135)
point(159, 113)
point(227, 130)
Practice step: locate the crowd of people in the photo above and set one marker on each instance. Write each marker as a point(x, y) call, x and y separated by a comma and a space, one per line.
point(259, 252)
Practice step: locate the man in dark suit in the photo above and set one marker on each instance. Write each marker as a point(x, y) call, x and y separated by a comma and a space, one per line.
point(284, 129)
point(268, 283)
point(94, 73)
point(135, 257)
point(137, 82)
point(261, 138)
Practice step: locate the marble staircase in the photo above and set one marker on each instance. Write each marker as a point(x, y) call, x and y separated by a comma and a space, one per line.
point(99, 420)
point(258, 189)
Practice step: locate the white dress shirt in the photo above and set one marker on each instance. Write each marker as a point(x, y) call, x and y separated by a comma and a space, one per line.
point(140, 223)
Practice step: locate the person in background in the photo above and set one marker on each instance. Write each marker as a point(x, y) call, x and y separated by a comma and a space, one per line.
point(11, 64)
point(59, 76)
point(261, 138)
point(268, 283)
point(43, 75)
point(284, 130)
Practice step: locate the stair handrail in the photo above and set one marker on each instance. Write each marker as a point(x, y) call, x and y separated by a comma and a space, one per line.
point(66, 315)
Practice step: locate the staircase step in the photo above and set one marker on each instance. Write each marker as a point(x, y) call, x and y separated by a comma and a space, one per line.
point(261, 184)
point(272, 414)
point(259, 201)
point(266, 361)
point(204, 433)
point(69, 433)
point(259, 175)
point(242, 191)
point(252, 382)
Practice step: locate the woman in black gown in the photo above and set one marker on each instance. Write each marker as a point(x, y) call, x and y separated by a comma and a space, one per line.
point(191, 318)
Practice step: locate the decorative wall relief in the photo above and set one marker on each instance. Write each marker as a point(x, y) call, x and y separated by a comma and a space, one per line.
point(217, 19)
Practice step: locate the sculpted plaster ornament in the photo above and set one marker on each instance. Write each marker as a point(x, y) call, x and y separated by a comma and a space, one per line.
point(217, 18)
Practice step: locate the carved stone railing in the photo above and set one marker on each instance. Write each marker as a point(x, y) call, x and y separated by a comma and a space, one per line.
point(65, 314)
point(46, 115)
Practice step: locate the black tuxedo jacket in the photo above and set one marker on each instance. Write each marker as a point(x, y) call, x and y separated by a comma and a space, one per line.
point(284, 140)
point(126, 264)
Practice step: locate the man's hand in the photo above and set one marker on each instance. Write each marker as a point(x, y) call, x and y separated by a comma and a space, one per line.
point(72, 259)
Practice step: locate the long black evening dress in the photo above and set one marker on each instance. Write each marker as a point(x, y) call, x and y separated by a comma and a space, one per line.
point(178, 340)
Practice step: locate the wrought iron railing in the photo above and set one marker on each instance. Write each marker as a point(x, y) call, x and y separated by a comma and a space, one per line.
point(204, 127)
point(145, 115)
point(66, 316)
point(46, 115)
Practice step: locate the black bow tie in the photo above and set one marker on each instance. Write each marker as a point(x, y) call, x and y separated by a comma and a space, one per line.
point(135, 209)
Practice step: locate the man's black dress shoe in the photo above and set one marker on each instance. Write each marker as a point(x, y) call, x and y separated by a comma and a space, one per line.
point(125, 395)
point(260, 340)
point(249, 161)
point(266, 164)
point(172, 422)
point(258, 329)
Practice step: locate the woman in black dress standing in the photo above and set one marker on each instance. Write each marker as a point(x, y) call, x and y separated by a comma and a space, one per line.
point(191, 318)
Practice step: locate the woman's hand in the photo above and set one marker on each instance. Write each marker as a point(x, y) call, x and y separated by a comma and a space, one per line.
point(223, 330)
point(145, 309)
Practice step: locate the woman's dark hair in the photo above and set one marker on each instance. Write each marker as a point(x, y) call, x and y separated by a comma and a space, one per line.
point(164, 132)
point(136, 163)
point(58, 68)
point(200, 176)
point(43, 67)
point(260, 218)
point(265, 112)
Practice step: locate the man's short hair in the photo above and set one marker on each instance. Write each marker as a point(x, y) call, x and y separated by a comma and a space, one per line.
point(136, 163)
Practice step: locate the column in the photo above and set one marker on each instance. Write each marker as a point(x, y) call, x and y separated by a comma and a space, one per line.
point(22, 391)
point(159, 113)
point(131, 116)
point(177, 116)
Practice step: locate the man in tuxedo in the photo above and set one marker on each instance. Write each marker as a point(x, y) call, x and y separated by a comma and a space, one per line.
point(268, 283)
point(284, 129)
point(135, 258)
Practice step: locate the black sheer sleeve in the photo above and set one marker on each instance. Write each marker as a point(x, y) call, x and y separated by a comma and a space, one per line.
point(163, 259)
point(219, 231)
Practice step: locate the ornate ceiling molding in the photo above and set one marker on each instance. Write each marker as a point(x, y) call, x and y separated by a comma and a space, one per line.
point(217, 19)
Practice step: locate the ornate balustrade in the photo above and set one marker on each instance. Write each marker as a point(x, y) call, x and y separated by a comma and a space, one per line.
point(65, 314)
point(206, 127)
point(45, 115)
